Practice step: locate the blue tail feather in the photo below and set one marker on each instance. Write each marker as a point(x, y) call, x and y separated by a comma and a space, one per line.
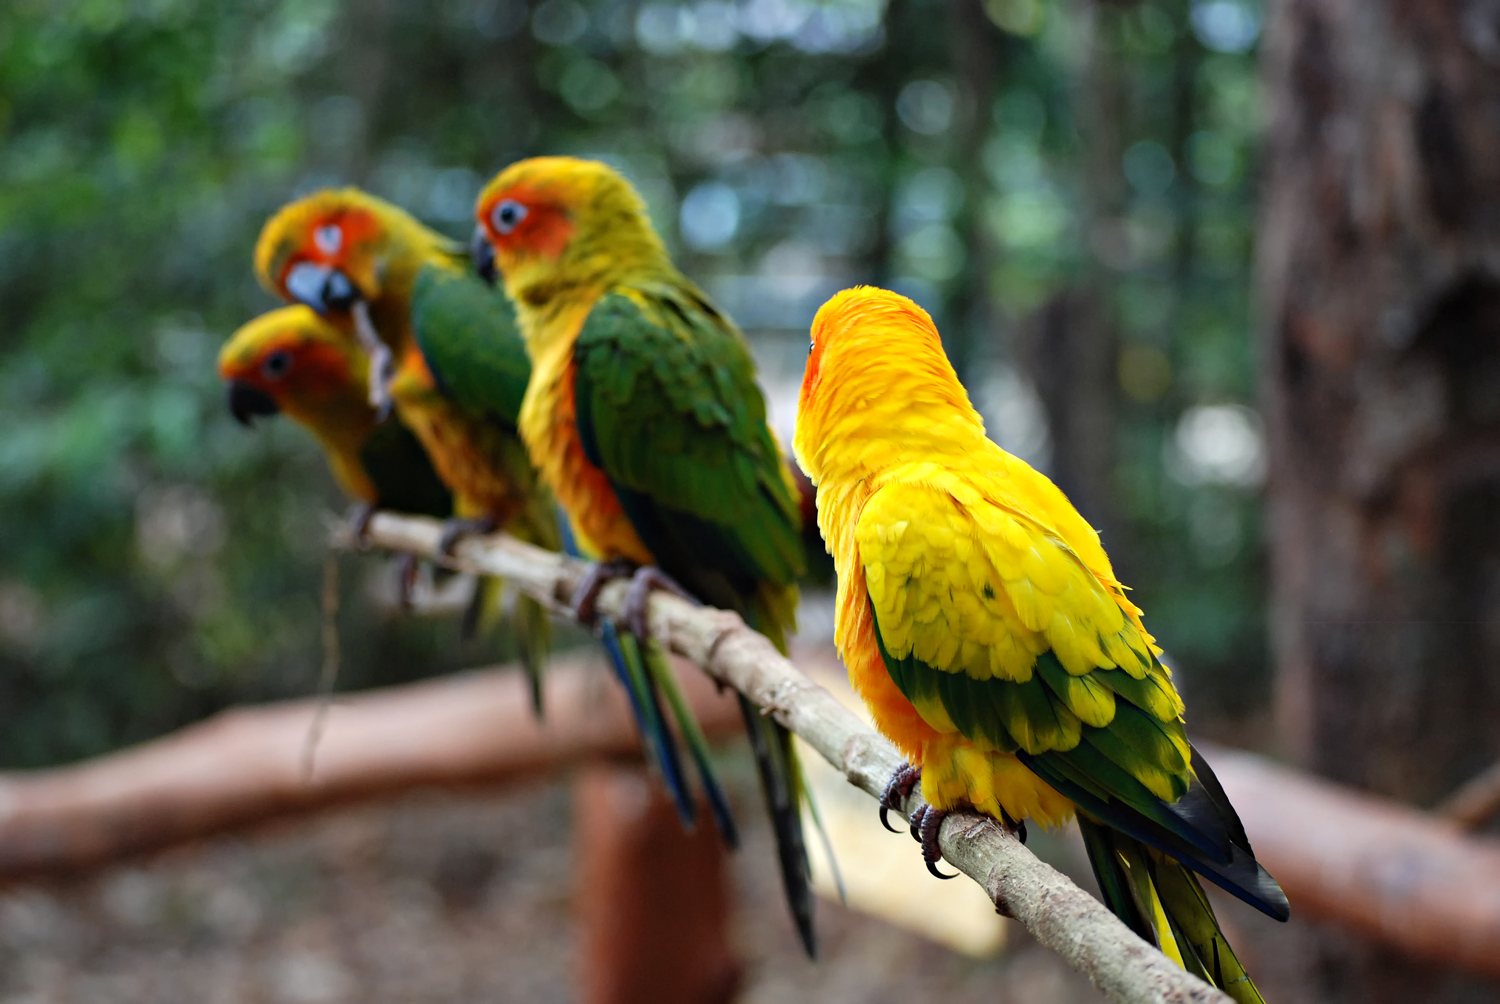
point(697, 742)
point(658, 735)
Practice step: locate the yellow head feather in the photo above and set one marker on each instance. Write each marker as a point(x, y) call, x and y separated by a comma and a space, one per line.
point(879, 389)
point(561, 225)
point(379, 246)
point(316, 374)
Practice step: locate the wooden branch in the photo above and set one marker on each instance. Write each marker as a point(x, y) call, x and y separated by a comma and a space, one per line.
point(1385, 869)
point(1058, 913)
point(246, 765)
point(1475, 801)
point(1396, 874)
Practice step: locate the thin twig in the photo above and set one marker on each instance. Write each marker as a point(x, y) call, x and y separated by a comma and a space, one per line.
point(329, 674)
point(1059, 914)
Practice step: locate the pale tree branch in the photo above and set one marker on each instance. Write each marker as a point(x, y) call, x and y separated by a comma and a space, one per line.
point(1060, 915)
point(1475, 801)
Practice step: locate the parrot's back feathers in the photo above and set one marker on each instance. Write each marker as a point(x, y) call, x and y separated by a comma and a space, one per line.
point(402, 473)
point(668, 409)
point(467, 333)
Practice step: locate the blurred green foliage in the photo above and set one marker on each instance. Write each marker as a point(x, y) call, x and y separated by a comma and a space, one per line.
point(158, 563)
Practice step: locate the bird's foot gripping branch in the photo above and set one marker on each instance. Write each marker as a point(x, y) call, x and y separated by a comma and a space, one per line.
point(1058, 913)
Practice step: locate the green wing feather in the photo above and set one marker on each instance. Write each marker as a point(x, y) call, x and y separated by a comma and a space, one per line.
point(469, 337)
point(403, 476)
point(1105, 769)
point(668, 408)
point(468, 334)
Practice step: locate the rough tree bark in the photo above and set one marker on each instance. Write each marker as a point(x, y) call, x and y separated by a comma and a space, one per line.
point(1380, 271)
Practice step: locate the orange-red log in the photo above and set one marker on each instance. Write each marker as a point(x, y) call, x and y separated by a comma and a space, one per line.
point(1404, 877)
point(247, 765)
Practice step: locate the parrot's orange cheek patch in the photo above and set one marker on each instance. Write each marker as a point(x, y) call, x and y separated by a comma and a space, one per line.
point(545, 233)
point(321, 367)
point(544, 230)
point(812, 376)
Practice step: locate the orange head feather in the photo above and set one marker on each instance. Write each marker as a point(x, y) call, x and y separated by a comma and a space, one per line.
point(333, 246)
point(878, 388)
point(561, 224)
point(307, 367)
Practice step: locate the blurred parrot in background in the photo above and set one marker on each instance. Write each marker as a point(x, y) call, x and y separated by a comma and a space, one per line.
point(292, 361)
point(983, 627)
point(644, 415)
point(444, 350)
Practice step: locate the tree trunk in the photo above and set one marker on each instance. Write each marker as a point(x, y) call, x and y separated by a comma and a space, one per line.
point(978, 49)
point(1069, 348)
point(1380, 282)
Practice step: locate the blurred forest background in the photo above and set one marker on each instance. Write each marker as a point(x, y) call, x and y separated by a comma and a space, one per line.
point(1067, 184)
point(1142, 225)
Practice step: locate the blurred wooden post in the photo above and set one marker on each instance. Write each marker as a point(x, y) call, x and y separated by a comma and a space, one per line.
point(652, 901)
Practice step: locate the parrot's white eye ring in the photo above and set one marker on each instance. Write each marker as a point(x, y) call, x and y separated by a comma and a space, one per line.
point(507, 215)
point(329, 238)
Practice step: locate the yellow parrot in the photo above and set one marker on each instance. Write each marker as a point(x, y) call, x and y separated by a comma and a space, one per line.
point(983, 627)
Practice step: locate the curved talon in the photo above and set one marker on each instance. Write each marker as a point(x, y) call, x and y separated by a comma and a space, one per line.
point(638, 598)
point(896, 791)
point(455, 530)
point(928, 822)
point(916, 823)
point(360, 515)
point(932, 869)
point(406, 580)
point(1016, 827)
point(585, 598)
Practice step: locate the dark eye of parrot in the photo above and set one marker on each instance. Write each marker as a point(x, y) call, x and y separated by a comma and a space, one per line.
point(506, 215)
point(329, 239)
point(276, 364)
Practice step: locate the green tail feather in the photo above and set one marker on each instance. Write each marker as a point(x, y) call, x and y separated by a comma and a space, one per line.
point(697, 743)
point(773, 612)
point(530, 621)
point(534, 640)
point(1163, 902)
point(644, 698)
point(817, 818)
point(780, 782)
point(486, 594)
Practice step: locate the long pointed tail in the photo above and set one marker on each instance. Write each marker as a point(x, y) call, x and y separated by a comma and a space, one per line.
point(781, 782)
point(1162, 902)
point(661, 747)
point(530, 622)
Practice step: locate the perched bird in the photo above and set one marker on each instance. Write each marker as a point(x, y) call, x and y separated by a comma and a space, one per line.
point(292, 361)
point(443, 348)
point(983, 627)
point(644, 415)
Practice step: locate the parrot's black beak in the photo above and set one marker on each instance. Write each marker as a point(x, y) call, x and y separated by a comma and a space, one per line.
point(246, 402)
point(482, 254)
point(322, 288)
